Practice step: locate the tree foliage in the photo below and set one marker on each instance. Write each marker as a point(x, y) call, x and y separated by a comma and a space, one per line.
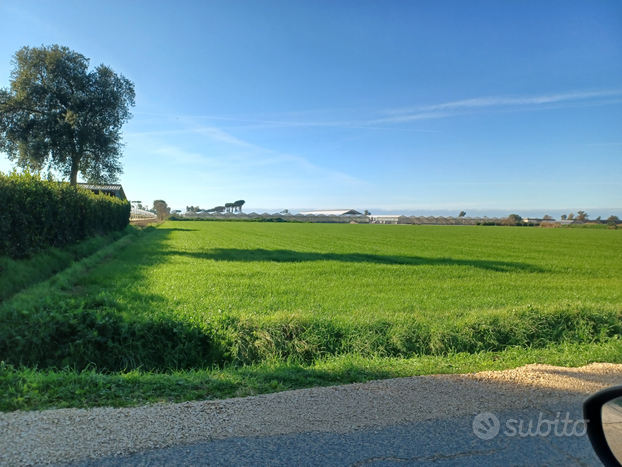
point(59, 115)
point(462, 214)
point(512, 219)
point(161, 208)
point(237, 205)
point(582, 215)
point(228, 207)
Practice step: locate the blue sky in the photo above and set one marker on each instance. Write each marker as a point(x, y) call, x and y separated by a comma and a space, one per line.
point(392, 106)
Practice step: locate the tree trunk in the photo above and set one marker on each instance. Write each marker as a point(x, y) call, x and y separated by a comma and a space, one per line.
point(73, 181)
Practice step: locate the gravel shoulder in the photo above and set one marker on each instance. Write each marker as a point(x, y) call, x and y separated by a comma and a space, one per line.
point(65, 435)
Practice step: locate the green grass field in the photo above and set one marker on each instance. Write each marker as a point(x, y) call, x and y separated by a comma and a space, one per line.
point(361, 272)
point(198, 296)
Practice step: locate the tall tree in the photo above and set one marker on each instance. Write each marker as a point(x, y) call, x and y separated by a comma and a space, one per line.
point(512, 219)
point(161, 208)
point(582, 215)
point(238, 204)
point(59, 115)
point(462, 214)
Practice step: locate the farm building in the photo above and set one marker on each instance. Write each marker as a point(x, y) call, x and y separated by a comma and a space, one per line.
point(391, 219)
point(535, 220)
point(346, 216)
point(110, 190)
point(136, 214)
point(333, 212)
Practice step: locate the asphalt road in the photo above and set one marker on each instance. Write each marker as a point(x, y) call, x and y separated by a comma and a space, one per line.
point(448, 442)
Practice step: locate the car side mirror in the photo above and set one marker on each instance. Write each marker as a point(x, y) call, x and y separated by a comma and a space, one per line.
point(603, 411)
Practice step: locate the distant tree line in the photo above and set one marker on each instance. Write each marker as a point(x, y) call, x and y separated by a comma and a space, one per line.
point(228, 207)
point(162, 210)
point(582, 216)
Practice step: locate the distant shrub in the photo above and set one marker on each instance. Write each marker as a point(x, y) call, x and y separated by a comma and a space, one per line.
point(37, 214)
point(587, 226)
point(612, 225)
point(550, 225)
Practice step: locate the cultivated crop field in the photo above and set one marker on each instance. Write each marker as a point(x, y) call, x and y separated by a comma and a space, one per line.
point(190, 296)
point(362, 273)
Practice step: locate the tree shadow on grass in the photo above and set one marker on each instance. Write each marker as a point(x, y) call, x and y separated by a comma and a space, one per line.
point(290, 256)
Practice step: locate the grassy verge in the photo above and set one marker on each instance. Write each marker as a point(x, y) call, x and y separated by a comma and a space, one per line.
point(31, 389)
point(17, 275)
point(55, 325)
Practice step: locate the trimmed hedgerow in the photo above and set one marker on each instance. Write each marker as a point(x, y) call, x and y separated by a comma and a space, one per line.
point(37, 214)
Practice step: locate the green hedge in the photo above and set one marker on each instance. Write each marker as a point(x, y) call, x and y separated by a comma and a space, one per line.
point(36, 214)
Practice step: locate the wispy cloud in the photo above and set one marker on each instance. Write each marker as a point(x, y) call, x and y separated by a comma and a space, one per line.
point(259, 123)
point(447, 109)
point(369, 119)
point(211, 132)
point(221, 152)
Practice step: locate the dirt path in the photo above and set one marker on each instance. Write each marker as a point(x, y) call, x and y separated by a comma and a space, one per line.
point(65, 435)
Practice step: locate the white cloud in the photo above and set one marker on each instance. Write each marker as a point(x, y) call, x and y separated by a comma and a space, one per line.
point(371, 122)
point(221, 154)
point(453, 108)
